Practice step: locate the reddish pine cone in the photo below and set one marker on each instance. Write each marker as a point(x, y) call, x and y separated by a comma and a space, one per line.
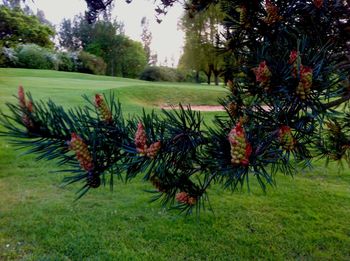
point(103, 109)
point(21, 97)
point(30, 106)
point(141, 139)
point(240, 147)
point(22, 100)
point(232, 109)
point(27, 108)
point(152, 151)
point(81, 151)
point(286, 138)
point(305, 84)
point(293, 56)
point(318, 3)
point(263, 75)
point(272, 13)
point(185, 198)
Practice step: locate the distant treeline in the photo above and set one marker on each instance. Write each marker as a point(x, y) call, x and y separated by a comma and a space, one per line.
point(27, 41)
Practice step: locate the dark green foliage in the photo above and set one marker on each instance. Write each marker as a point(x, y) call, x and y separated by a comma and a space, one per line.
point(16, 27)
point(67, 62)
point(89, 63)
point(35, 57)
point(194, 76)
point(123, 56)
point(161, 73)
point(32, 56)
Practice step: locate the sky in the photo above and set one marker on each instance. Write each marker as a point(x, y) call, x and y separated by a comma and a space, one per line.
point(167, 37)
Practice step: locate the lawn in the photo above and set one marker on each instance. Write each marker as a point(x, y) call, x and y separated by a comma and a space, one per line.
point(304, 217)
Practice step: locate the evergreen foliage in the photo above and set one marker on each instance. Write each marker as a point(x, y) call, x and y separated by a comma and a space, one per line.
point(280, 113)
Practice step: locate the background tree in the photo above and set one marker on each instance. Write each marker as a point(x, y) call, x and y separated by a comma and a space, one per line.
point(202, 42)
point(106, 40)
point(146, 38)
point(16, 27)
point(12, 3)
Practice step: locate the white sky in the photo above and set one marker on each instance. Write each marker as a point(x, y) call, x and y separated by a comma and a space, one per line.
point(167, 39)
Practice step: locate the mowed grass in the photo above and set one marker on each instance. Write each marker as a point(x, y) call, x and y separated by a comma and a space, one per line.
point(306, 217)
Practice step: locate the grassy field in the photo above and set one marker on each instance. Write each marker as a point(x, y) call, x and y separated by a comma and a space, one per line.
point(306, 217)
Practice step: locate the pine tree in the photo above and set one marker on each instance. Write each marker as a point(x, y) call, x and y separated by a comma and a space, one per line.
point(293, 74)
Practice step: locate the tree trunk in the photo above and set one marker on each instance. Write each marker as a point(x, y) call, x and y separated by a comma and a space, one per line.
point(208, 78)
point(216, 77)
point(197, 77)
point(208, 74)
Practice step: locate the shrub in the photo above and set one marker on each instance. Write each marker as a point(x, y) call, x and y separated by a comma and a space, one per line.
point(191, 76)
point(151, 74)
point(35, 57)
point(8, 57)
point(159, 73)
point(67, 62)
point(89, 63)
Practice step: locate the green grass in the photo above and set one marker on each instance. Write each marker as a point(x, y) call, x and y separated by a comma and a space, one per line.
point(305, 217)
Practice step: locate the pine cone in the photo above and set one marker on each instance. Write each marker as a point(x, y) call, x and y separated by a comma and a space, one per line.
point(240, 147)
point(182, 197)
point(103, 109)
point(27, 109)
point(263, 75)
point(30, 106)
point(82, 152)
point(293, 56)
point(141, 139)
point(152, 151)
point(232, 109)
point(286, 138)
point(272, 13)
point(185, 198)
point(305, 84)
point(21, 97)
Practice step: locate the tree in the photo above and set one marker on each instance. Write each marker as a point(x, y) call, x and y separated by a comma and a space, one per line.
point(280, 112)
point(146, 38)
point(134, 58)
point(12, 3)
point(106, 40)
point(202, 43)
point(16, 27)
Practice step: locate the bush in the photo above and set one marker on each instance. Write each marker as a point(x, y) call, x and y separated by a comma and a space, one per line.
point(67, 62)
point(89, 63)
point(35, 57)
point(191, 76)
point(8, 57)
point(159, 73)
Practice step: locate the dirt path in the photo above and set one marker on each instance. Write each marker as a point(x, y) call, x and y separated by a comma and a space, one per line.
point(197, 107)
point(205, 107)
